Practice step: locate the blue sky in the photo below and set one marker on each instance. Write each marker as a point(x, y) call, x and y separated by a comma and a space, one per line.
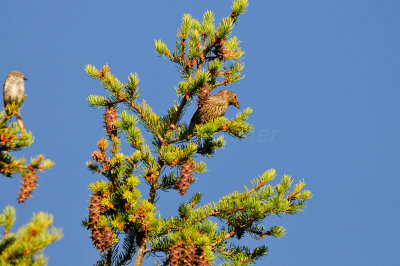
point(323, 80)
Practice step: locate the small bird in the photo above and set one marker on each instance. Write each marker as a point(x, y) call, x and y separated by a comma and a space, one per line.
point(215, 106)
point(13, 91)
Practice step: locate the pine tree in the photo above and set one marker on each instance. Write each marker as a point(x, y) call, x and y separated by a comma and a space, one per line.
point(124, 226)
point(24, 247)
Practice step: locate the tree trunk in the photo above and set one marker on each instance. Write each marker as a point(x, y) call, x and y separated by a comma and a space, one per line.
point(140, 254)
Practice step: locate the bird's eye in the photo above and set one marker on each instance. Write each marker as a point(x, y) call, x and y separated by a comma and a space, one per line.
point(235, 97)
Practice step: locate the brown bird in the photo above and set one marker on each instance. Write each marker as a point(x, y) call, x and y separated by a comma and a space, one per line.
point(215, 106)
point(13, 91)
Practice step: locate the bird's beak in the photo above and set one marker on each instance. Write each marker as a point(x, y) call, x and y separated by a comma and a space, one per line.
point(237, 105)
point(25, 78)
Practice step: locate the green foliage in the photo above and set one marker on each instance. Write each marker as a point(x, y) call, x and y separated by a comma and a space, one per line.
point(243, 212)
point(239, 7)
point(162, 48)
point(224, 29)
point(166, 157)
point(25, 247)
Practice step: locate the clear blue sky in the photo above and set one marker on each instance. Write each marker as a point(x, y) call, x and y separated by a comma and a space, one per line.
point(323, 80)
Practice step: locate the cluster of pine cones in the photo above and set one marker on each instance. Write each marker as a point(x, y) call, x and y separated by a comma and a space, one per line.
point(187, 255)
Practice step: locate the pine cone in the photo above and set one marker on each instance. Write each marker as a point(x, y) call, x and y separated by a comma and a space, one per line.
point(220, 50)
point(186, 178)
point(96, 238)
point(189, 255)
point(203, 96)
point(175, 253)
point(109, 117)
point(181, 254)
point(29, 183)
point(94, 211)
point(202, 261)
point(102, 239)
point(107, 239)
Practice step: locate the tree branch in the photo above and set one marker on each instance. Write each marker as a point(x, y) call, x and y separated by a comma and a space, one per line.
point(142, 116)
point(227, 236)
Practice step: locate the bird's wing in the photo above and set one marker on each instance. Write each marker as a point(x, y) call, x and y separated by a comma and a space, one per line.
point(206, 113)
point(212, 109)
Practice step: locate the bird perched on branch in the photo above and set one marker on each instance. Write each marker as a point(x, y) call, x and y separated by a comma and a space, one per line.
point(13, 91)
point(215, 106)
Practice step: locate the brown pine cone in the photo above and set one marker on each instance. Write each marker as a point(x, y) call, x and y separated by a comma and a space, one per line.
point(107, 239)
point(110, 116)
point(219, 50)
point(102, 239)
point(29, 183)
point(186, 178)
point(175, 254)
point(94, 210)
point(190, 255)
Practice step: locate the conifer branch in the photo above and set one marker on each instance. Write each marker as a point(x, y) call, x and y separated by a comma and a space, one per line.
point(225, 82)
point(142, 116)
point(13, 138)
point(207, 57)
point(226, 237)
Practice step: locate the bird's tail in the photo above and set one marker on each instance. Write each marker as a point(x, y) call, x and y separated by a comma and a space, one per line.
point(19, 120)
